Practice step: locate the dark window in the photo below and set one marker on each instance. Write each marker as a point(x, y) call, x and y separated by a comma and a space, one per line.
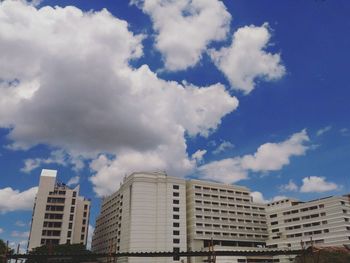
point(176, 187)
point(176, 224)
point(176, 194)
point(176, 202)
point(84, 221)
point(85, 207)
point(176, 241)
point(73, 201)
point(70, 226)
point(71, 217)
point(72, 209)
point(176, 250)
point(82, 237)
point(69, 233)
point(85, 214)
point(176, 209)
point(176, 232)
point(176, 217)
point(74, 194)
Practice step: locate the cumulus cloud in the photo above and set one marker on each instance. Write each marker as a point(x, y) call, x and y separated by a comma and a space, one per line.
point(323, 130)
point(258, 197)
point(224, 146)
point(317, 185)
point(268, 157)
point(73, 181)
point(67, 83)
point(290, 187)
point(185, 28)
point(16, 200)
point(198, 155)
point(246, 60)
point(56, 157)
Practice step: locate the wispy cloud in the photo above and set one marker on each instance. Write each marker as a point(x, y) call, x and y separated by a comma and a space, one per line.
point(323, 130)
point(224, 146)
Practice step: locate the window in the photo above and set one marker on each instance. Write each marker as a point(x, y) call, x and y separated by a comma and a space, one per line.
point(176, 194)
point(176, 202)
point(274, 223)
point(85, 214)
point(82, 237)
point(176, 187)
point(176, 232)
point(74, 194)
point(176, 217)
point(176, 224)
point(72, 209)
point(176, 250)
point(85, 207)
point(84, 221)
point(69, 233)
point(176, 241)
point(176, 209)
point(73, 201)
point(70, 226)
point(71, 217)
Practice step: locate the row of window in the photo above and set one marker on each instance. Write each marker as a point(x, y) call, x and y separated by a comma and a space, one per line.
point(207, 233)
point(232, 212)
point(225, 219)
point(231, 227)
point(55, 233)
point(212, 189)
point(310, 233)
point(225, 197)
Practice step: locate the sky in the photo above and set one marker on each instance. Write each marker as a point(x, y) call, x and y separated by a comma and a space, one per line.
point(253, 93)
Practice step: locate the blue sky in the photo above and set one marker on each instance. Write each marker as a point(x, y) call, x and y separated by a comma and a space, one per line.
point(247, 92)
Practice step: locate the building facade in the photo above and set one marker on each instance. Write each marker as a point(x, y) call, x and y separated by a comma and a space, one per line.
point(224, 216)
point(156, 212)
point(147, 213)
point(60, 215)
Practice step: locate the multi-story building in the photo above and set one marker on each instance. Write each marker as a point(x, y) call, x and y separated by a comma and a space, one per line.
point(156, 212)
point(147, 213)
point(322, 222)
point(60, 215)
point(225, 216)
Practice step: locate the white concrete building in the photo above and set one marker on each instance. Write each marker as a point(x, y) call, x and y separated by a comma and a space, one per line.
point(224, 215)
point(321, 222)
point(147, 213)
point(60, 215)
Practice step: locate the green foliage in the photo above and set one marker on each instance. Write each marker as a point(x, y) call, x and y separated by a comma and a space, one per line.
point(324, 257)
point(3, 248)
point(66, 249)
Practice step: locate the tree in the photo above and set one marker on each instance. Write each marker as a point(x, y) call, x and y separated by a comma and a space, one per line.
point(68, 250)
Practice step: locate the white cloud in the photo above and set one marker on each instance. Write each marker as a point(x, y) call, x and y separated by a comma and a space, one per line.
point(273, 156)
point(185, 28)
point(268, 157)
point(16, 200)
point(68, 84)
point(1, 230)
point(317, 184)
point(19, 234)
point(225, 145)
point(90, 234)
point(258, 197)
point(198, 155)
point(344, 132)
point(227, 170)
point(56, 157)
point(323, 130)
point(291, 186)
point(73, 181)
point(246, 60)
point(20, 223)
